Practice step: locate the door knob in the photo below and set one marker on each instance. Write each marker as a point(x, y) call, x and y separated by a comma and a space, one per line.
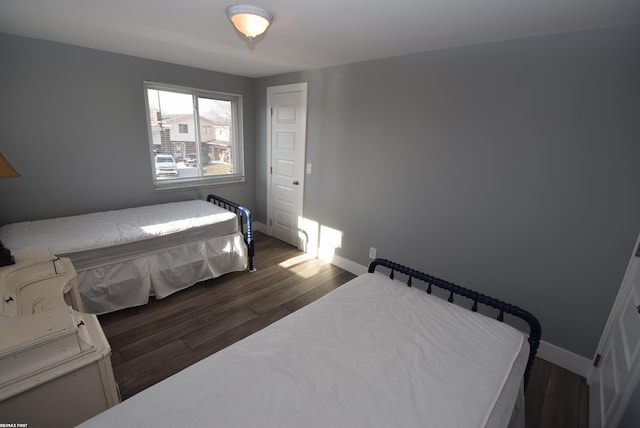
point(295, 183)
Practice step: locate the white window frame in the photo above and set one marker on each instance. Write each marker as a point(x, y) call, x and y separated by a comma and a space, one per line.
point(237, 176)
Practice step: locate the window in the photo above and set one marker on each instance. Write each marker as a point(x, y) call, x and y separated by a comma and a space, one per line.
point(194, 136)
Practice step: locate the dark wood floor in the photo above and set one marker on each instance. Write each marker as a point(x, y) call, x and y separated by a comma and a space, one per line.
point(152, 342)
point(556, 397)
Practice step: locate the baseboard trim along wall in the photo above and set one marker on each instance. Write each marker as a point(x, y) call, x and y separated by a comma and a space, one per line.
point(566, 359)
point(561, 357)
point(260, 227)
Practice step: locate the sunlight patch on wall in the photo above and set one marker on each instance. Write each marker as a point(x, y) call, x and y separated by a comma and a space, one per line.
point(308, 232)
point(319, 240)
point(330, 239)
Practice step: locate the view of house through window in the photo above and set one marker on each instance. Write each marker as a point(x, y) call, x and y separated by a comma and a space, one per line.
point(193, 135)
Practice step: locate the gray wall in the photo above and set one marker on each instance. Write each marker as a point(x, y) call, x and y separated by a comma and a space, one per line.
point(511, 167)
point(73, 123)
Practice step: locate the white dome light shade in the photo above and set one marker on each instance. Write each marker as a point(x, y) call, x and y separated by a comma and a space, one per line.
point(249, 20)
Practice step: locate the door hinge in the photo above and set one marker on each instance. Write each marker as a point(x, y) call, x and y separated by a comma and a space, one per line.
point(271, 111)
point(270, 170)
point(270, 222)
point(596, 361)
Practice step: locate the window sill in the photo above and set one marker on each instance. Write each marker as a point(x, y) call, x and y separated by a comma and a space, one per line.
point(189, 184)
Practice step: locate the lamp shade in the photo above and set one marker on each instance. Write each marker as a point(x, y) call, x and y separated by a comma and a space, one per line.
point(6, 170)
point(250, 20)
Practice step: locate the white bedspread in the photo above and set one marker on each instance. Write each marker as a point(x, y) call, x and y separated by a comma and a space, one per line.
point(373, 353)
point(75, 235)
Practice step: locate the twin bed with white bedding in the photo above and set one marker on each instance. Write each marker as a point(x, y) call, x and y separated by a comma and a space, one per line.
point(124, 256)
point(372, 353)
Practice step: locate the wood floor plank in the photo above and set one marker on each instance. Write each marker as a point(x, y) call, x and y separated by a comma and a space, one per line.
point(289, 291)
point(562, 400)
point(536, 391)
point(319, 291)
point(214, 321)
point(197, 341)
point(145, 370)
point(191, 304)
point(583, 412)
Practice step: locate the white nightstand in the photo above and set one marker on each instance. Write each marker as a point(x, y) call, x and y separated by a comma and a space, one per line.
point(55, 366)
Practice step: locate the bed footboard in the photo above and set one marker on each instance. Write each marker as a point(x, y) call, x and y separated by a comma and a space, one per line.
point(535, 330)
point(244, 223)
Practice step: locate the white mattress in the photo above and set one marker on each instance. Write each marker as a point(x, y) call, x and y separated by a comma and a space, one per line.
point(90, 239)
point(124, 256)
point(373, 353)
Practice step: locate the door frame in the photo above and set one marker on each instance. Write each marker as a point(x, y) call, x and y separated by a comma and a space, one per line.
point(625, 294)
point(292, 87)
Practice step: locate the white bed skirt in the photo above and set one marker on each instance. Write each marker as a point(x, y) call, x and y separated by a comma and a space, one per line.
point(129, 282)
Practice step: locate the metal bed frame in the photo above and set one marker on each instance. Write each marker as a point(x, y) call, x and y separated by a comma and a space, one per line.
point(244, 224)
point(535, 330)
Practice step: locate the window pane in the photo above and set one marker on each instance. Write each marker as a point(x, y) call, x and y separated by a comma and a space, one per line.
point(171, 113)
point(216, 136)
point(193, 141)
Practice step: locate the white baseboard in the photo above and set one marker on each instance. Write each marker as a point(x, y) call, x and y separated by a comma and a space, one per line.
point(349, 266)
point(566, 359)
point(260, 227)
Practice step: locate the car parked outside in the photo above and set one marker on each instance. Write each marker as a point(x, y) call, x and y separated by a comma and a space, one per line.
point(166, 164)
point(190, 159)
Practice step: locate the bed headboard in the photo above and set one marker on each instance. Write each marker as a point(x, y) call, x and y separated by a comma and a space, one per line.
point(244, 223)
point(535, 330)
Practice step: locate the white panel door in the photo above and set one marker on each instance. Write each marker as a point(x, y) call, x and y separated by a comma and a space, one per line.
point(618, 371)
point(287, 131)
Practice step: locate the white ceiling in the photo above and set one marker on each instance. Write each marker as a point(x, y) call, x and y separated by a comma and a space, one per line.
point(305, 34)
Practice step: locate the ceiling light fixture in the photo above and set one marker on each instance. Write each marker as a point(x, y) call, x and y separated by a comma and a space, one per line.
point(250, 20)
